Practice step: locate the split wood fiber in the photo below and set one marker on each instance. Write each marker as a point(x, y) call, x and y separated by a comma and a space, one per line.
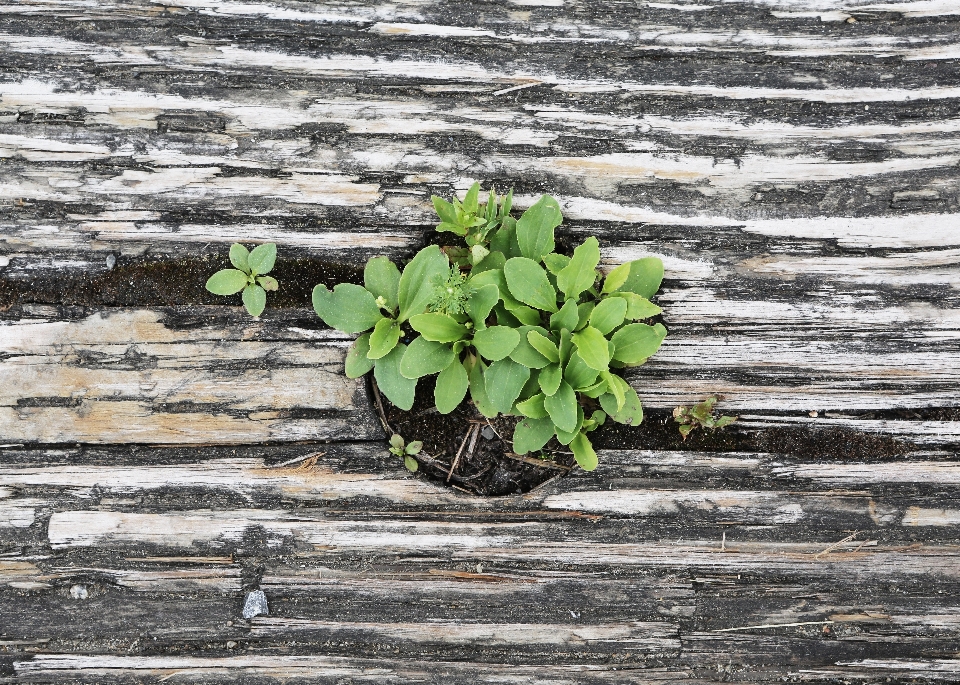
point(793, 163)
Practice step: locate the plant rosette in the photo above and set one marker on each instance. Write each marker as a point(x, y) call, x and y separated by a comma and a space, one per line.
point(525, 331)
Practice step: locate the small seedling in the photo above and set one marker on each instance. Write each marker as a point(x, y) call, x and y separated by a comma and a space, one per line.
point(248, 276)
point(700, 415)
point(399, 448)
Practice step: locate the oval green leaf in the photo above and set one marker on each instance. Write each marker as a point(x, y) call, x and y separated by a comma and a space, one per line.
point(438, 327)
point(227, 282)
point(394, 385)
point(544, 345)
point(496, 342)
point(562, 407)
point(349, 308)
point(385, 336)
point(535, 228)
point(644, 278)
point(631, 413)
point(262, 258)
point(478, 391)
point(525, 353)
point(637, 341)
point(419, 279)
point(608, 314)
point(382, 278)
point(531, 435)
point(254, 299)
point(564, 437)
point(451, 387)
point(637, 307)
point(555, 262)
point(550, 377)
point(578, 374)
point(533, 407)
point(357, 362)
point(503, 381)
point(581, 272)
point(424, 357)
point(567, 317)
point(593, 348)
point(480, 303)
point(239, 256)
point(527, 281)
point(584, 453)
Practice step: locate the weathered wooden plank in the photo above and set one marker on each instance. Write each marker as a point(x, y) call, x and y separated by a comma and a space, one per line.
point(135, 376)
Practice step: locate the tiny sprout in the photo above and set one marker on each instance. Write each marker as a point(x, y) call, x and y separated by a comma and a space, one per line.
point(700, 415)
point(248, 276)
point(397, 447)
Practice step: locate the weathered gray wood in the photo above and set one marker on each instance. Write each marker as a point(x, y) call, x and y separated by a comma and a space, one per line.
point(134, 376)
point(794, 163)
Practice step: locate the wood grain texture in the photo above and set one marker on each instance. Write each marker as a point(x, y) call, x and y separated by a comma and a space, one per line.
point(794, 164)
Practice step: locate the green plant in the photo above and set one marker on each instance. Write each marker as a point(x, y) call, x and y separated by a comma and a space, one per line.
point(527, 331)
point(408, 452)
point(701, 415)
point(248, 276)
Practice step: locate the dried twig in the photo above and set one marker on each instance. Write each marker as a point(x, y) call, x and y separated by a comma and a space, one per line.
point(463, 444)
point(837, 544)
point(380, 411)
point(775, 625)
point(536, 462)
point(310, 460)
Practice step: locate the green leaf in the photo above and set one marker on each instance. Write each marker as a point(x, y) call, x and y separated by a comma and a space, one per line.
point(419, 279)
point(583, 314)
point(531, 435)
point(268, 282)
point(535, 228)
point(644, 278)
point(496, 342)
point(608, 314)
point(503, 381)
point(480, 303)
point(566, 346)
point(595, 390)
point(584, 453)
point(394, 386)
point(254, 299)
point(567, 317)
point(239, 256)
point(445, 210)
point(470, 201)
point(550, 377)
point(494, 277)
point(616, 278)
point(531, 387)
point(396, 441)
point(581, 272)
point(578, 374)
point(616, 386)
point(349, 308)
point(562, 407)
point(637, 341)
point(357, 362)
point(382, 278)
point(424, 357)
point(478, 391)
point(494, 260)
point(451, 387)
point(637, 307)
point(555, 262)
point(385, 336)
point(564, 437)
point(505, 318)
point(444, 227)
point(227, 282)
point(631, 413)
point(526, 315)
point(505, 239)
point(533, 407)
point(525, 353)
point(544, 345)
point(725, 421)
point(597, 419)
point(438, 327)
point(593, 348)
point(262, 258)
point(410, 463)
point(527, 281)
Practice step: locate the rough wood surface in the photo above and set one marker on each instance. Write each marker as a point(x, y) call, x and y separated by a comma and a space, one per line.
point(794, 163)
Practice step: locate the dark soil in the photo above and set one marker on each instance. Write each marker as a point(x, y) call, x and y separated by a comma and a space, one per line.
point(140, 282)
point(490, 468)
